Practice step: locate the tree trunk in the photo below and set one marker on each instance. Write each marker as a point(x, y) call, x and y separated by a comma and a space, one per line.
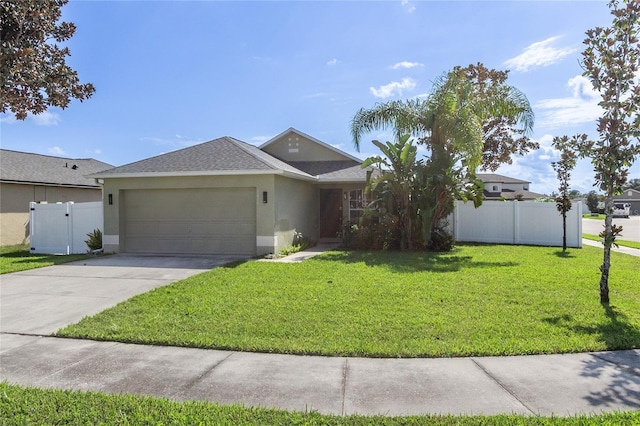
point(608, 240)
point(564, 231)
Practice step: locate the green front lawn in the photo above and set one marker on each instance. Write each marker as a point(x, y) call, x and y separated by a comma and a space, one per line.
point(477, 300)
point(18, 258)
point(19, 405)
point(623, 243)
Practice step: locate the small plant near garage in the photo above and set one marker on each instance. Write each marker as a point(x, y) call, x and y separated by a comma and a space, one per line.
point(94, 241)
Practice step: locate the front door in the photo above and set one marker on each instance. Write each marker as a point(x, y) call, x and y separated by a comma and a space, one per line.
point(330, 213)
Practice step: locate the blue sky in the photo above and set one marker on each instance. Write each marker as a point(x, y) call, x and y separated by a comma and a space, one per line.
point(169, 74)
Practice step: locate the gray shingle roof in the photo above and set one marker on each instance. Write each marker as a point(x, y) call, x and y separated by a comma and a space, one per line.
point(218, 155)
point(24, 167)
point(496, 178)
point(332, 170)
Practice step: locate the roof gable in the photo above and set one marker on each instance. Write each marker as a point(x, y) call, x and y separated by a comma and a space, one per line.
point(222, 155)
point(29, 168)
point(294, 146)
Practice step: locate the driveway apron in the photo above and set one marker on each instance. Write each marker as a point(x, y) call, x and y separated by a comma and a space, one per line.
point(41, 301)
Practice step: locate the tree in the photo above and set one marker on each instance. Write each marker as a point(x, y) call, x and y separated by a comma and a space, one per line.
point(592, 201)
point(563, 170)
point(394, 181)
point(33, 72)
point(468, 119)
point(611, 61)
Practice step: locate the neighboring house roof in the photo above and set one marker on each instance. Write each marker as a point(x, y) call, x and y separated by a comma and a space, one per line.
point(635, 195)
point(512, 195)
point(224, 155)
point(495, 178)
point(28, 168)
point(311, 138)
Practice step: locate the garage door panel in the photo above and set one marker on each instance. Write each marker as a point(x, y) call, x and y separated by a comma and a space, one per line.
point(198, 221)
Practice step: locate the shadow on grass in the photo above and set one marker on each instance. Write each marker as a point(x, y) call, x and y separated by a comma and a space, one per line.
point(616, 332)
point(412, 261)
point(564, 254)
point(620, 370)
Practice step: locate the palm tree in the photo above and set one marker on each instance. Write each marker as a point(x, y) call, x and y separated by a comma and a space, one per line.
point(394, 181)
point(466, 110)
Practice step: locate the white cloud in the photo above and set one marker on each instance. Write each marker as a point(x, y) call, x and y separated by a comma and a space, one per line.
point(409, 6)
point(46, 118)
point(581, 107)
point(97, 151)
point(56, 150)
point(393, 88)
point(539, 54)
point(260, 139)
point(406, 64)
point(332, 62)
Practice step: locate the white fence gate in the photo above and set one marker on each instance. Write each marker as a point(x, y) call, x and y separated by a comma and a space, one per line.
point(516, 222)
point(62, 228)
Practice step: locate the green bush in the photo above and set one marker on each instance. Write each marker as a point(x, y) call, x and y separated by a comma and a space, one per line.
point(441, 240)
point(95, 240)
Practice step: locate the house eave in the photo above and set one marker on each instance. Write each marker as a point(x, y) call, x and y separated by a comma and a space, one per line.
point(65, 185)
point(201, 173)
point(341, 180)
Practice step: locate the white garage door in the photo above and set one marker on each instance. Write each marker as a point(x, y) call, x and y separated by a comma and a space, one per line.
point(190, 221)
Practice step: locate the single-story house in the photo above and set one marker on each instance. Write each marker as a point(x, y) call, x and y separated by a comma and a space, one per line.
point(499, 187)
point(226, 196)
point(632, 197)
point(27, 177)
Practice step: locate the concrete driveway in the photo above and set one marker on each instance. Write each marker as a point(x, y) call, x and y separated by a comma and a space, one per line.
point(630, 227)
point(41, 301)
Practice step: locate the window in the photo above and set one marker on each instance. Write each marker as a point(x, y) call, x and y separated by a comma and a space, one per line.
point(495, 188)
point(357, 205)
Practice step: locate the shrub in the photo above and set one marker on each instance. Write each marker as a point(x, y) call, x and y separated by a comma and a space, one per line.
point(441, 240)
point(95, 240)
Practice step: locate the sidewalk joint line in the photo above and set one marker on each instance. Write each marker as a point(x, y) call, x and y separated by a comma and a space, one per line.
point(345, 370)
point(502, 385)
point(203, 375)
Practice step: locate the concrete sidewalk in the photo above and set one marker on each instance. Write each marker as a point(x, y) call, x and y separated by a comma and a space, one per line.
point(550, 384)
point(619, 249)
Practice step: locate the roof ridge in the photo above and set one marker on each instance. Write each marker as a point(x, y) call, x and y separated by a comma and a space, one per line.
point(50, 156)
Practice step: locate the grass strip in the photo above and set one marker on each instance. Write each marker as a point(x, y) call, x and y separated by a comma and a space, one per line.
point(476, 301)
point(33, 406)
point(17, 258)
point(623, 243)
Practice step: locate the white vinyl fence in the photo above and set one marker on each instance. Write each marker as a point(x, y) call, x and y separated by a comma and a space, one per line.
point(62, 228)
point(516, 222)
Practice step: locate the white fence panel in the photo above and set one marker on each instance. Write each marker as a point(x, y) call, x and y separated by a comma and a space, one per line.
point(48, 231)
point(85, 218)
point(516, 222)
point(62, 228)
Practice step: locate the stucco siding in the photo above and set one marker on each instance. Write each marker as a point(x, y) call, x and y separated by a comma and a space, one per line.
point(296, 211)
point(14, 206)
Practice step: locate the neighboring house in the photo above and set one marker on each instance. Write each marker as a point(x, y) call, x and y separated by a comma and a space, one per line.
point(26, 177)
point(631, 196)
point(498, 187)
point(229, 197)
